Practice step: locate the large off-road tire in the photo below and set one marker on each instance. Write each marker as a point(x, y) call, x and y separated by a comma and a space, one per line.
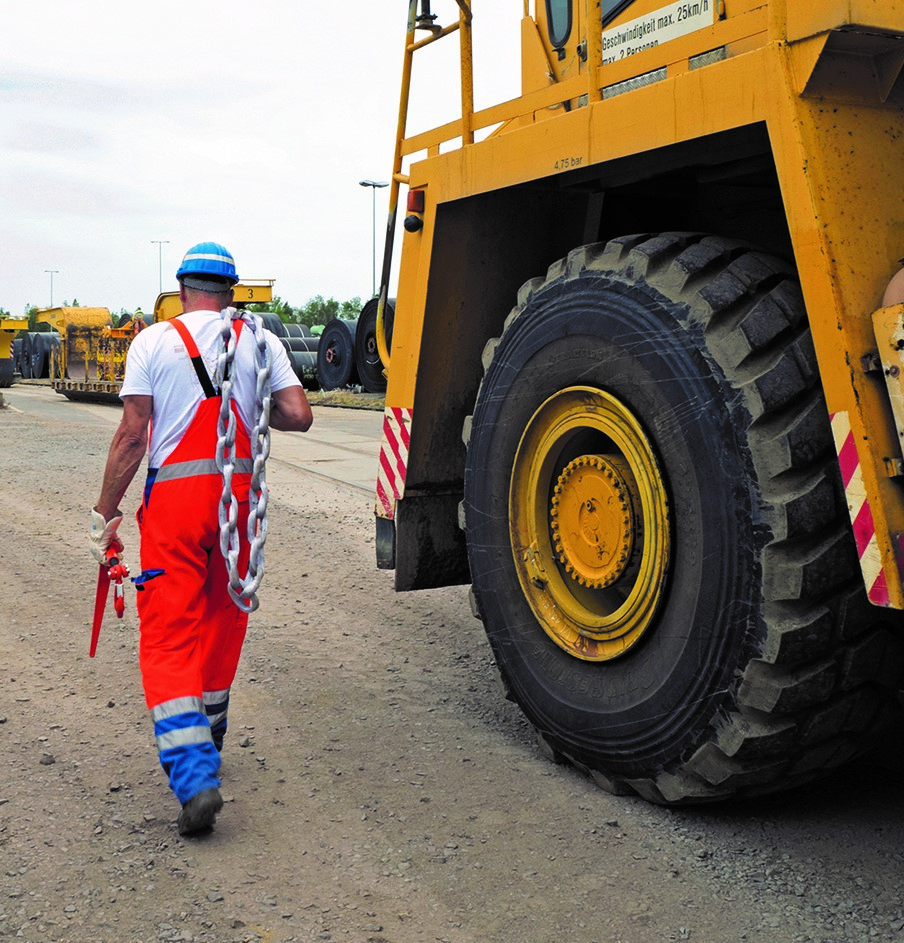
point(659, 544)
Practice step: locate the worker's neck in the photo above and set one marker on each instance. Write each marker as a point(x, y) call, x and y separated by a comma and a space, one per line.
point(193, 300)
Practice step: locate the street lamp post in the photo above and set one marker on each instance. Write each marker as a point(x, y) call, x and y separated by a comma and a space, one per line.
point(160, 244)
point(374, 184)
point(51, 272)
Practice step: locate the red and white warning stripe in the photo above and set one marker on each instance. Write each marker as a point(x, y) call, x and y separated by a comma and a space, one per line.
point(858, 506)
point(393, 459)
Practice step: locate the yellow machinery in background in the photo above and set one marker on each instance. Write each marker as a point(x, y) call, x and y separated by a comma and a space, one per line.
point(9, 328)
point(637, 397)
point(247, 291)
point(89, 362)
point(84, 353)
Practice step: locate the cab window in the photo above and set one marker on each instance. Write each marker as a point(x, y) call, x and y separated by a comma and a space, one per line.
point(611, 8)
point(558, 16)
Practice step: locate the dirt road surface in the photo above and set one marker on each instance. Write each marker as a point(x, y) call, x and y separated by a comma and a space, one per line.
point(378, 788)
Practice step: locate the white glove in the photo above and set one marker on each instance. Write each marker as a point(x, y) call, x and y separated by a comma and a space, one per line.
point(103, 535)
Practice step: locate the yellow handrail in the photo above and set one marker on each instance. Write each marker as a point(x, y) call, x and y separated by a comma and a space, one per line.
point(465, 128)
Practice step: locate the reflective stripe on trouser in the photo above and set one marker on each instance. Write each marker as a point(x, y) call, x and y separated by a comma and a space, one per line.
point(187, 752)
point(216, 706)
point(170, 471)
point(191, 631)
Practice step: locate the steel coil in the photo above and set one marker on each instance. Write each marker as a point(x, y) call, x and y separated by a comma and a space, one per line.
point(25, 356)
point(367, 354)
point(336, 355)
point(42, 345)
point(307, 344)
point(39, 356)
point(274, 324)
point(304, 363)
point(298, 330)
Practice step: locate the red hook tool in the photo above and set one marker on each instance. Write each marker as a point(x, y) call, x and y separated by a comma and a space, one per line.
point(111, 571)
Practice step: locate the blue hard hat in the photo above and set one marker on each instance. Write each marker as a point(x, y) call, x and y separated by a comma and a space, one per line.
point(208, 260)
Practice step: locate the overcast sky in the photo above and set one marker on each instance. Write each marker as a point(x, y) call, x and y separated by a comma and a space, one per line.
point(246, 122)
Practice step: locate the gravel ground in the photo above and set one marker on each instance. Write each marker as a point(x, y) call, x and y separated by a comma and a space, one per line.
point(378, 789)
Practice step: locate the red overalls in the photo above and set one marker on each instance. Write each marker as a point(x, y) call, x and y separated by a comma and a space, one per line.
point(191, 631)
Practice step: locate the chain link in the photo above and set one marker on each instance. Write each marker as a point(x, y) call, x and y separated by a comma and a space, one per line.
point(243, 590)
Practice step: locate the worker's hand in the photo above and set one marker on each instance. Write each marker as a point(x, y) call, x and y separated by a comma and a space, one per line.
point(103, 536)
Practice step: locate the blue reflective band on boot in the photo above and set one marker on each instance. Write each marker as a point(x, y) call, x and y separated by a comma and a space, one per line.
point(187, 753)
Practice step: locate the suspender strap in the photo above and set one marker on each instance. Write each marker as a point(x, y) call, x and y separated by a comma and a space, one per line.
point(196, 361)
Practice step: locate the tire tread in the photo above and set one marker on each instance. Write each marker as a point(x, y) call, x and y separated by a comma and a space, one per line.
point(828, 665)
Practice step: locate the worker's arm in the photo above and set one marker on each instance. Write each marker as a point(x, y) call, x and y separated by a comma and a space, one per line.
point(290, 410)
point(127, 449)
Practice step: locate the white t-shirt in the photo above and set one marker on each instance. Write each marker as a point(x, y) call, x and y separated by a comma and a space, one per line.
point(158, 365)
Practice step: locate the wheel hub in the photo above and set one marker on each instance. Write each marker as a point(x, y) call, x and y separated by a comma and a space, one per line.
point(592, 520)
point(589, 523)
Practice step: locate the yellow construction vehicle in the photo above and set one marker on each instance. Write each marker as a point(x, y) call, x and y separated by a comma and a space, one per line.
point(9, 328)
point(90, 360)
point(638, 396)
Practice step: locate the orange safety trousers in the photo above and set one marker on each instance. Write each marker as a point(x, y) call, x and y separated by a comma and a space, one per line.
point(191, 632)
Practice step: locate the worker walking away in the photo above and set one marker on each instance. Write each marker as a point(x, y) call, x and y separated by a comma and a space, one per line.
point(193, 386)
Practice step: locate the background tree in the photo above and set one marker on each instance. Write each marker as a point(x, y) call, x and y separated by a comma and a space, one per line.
point(351, 309)
point(318, 310)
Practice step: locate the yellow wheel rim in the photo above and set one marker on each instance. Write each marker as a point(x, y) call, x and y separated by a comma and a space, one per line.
point(589, 523)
